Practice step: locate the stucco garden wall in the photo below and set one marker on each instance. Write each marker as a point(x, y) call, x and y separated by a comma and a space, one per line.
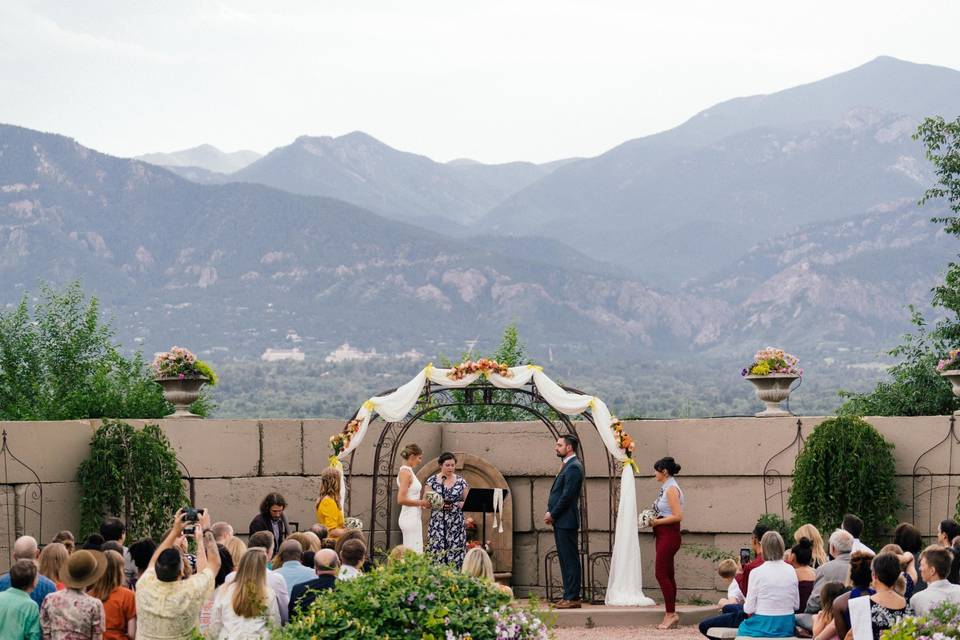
point(231, 464)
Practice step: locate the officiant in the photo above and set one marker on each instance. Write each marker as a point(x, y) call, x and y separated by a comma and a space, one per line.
point(446, 533)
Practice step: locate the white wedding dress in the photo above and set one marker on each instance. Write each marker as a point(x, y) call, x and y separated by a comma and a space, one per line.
point(411, 524)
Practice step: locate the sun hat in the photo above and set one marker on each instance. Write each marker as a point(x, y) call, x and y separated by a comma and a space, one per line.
point(83, 568)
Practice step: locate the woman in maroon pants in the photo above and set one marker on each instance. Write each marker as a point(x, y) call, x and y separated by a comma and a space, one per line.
point(668, 510)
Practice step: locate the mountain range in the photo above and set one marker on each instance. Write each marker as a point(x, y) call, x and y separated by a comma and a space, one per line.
point(205, 157)
point(787, 219)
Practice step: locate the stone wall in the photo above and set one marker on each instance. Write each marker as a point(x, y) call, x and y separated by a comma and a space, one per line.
point(231, 464)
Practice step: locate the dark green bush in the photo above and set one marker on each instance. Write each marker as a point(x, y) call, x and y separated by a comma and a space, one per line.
point(846, 466)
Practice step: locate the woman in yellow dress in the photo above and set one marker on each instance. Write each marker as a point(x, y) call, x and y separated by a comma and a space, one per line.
point(329, 512)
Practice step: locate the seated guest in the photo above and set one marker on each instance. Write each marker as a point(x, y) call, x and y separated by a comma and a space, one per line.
point(25, 548)
point(94, 542)
point(272, 518)
point(292, 569)
point(320, 531)
point(66, 539)
point(71, 613)
point(328, 543)
point(909, 538)
point(772, 594)
point(812, 534)
point(52, 558)
point(908, 579)
point(222, 531)
point(263, 542)
point(119, 603)
point(353, 534)
point(935, 562)
point(327, 565)
point(168, 606)
point(246, 608)
point(886, 607)
point(310, 542)
point(329, 510)
point(477, 563)
point(824, 627)
point(141, 552)
point(946, 532)
point(400, 552)
point(860, 579)
point(853, 525)
point(837, 570)
point(352, 554)
point(731, 607)
point(801, 557)
point(19, 616)
point(743, 577)
point(226, 566)
point(236, 548)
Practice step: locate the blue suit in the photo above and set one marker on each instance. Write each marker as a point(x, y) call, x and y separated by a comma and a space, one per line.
point(564, 508)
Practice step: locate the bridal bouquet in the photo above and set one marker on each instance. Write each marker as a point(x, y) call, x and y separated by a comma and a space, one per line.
point(353, 523)
point(435, 500)
point(646, 519)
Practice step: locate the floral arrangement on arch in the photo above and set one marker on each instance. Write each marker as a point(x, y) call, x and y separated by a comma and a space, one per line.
point(182, 363)
point(624, 442)
point(483, 365)
point(340, 441)
point(772, 360)
point(952, 361)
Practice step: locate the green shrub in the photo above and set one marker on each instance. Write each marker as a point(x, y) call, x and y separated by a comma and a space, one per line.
point(409, 598)
point(846, 466)
point(131, 474)
point(773, 522)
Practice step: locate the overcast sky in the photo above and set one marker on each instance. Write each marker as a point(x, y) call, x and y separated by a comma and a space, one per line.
point(491, 80)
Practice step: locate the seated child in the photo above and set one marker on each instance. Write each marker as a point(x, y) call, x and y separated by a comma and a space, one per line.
point(728, 570)
point(824, 627)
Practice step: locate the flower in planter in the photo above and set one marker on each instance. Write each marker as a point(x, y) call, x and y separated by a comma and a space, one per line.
point(950, 362)
point(182, 363)
point(772, 360)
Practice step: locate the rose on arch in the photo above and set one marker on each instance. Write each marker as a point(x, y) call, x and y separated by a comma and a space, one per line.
point(340, 441)
point(483, 365)
point(624, 441)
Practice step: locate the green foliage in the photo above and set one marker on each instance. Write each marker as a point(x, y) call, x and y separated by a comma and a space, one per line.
point(846, 466)
point(131, 474)
point(58, 362)
point(409, 598)
point(943, 623)
point(205, 370)
point(708, 552)
point(773, 522)
point(510, 352)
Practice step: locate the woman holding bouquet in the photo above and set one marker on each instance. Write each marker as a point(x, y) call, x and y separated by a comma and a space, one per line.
point(668, 513)
point(408, 496)
point(447, 532)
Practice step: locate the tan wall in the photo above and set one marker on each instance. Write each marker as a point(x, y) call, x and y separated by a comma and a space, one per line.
point(233, 463)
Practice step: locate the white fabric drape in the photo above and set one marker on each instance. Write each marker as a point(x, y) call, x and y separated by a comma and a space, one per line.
point(624, 584)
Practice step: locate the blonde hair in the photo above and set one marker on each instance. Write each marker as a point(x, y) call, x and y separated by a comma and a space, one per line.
point(727, 568)
point(412, 449)
point(250, 585)
point(478, 564)
point(111, 579)
point(330, 485)
point(400, 552)
point(812, 534)
point(313, 541)
point(51, 559)
point(236, 548)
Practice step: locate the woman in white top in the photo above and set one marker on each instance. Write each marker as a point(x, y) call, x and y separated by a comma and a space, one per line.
point(773, 593)
point(408, 496)
point(246, 608)
point(668, 509)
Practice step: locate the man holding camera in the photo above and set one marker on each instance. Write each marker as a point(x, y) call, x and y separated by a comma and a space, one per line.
point(168, 607)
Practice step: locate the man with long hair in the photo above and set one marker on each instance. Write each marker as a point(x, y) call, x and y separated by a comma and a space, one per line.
point(272, 518)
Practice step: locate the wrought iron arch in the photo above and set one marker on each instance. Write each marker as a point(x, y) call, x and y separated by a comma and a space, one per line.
point(775, 488)
point(18, 508)
point(380, 528)
point(922, 475)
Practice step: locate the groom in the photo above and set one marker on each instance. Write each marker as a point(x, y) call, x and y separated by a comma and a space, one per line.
point(563, 513)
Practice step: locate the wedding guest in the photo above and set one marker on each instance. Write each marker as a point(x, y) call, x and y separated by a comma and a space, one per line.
point(25, 548)
point(860, 579)
point(291, 569)
point(812, 534)
point(71, 613)
point(246, 607)
point(946, 532)
point(836, 570)
point(408, 497)
point(772, 595)
point(935, 563)
point(801, 556)
point(352, 554)
point(329, 509)
point(119, 603)
point(52, 559)
point(908, 578)
point(886, 606)
point(824, 628)
point(910, 539)
point(731, 606)
point(19, 616)
point(477, 563)
point(743, 578)
point(447, 534)
point(272, 518)
point(668, 512)
point(853, 525)
point(222, 531)
point(326, 564)
point(66, 539)
point(236, 548)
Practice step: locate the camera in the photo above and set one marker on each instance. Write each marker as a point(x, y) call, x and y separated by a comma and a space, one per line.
point(190, 514)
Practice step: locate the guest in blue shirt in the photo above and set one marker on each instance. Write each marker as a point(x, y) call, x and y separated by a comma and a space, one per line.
point(292, 570)
point(25, 548)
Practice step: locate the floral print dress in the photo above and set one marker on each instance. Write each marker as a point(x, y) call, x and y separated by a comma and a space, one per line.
point(447, 534)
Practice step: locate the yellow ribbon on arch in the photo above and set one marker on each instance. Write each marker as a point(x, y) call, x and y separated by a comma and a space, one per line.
point(428, 370)
point(535, 367)
point(335, 462)
point(368, 405)
point(632, 463)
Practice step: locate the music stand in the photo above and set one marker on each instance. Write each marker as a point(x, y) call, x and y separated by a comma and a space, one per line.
point(481, 501)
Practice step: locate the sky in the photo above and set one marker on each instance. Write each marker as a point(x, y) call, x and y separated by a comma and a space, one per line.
point(494, 81)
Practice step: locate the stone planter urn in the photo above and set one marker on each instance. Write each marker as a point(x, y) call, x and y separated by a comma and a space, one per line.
point(953, 375)
point(772, 389)
point(181, 393)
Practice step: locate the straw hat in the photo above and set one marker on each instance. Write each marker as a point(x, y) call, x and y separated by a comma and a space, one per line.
point(83, 568)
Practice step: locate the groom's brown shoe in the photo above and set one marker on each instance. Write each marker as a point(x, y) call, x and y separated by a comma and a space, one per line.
point(568, 604)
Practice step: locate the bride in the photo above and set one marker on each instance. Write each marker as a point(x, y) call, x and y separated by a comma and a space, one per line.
point(408, 497)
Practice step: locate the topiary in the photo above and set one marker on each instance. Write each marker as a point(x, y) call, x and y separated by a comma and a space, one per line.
point(131, 474)
point(412, 598)
point(846, 466)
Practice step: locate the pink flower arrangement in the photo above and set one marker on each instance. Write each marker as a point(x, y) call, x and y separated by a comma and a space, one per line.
point(950, 362)
point(483, 365)
point(773, 360)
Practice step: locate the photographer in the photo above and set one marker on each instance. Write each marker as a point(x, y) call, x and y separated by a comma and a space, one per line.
point(167, 606)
